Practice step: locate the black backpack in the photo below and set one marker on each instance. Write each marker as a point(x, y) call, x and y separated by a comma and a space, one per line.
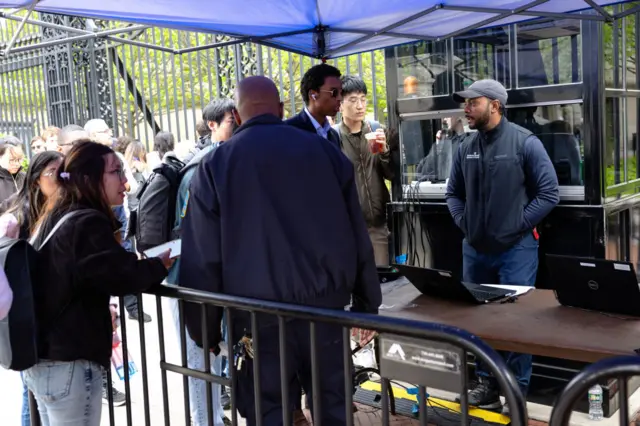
point(152, 222)
point(18, 330)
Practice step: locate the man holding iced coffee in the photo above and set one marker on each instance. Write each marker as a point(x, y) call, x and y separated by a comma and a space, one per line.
point(365, 144)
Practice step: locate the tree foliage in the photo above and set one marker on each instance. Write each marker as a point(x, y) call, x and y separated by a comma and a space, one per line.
point(189, 81)
point(175, 86)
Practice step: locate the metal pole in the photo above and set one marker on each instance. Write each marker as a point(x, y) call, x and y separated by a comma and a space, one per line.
point(20, 27)
point(78, 38)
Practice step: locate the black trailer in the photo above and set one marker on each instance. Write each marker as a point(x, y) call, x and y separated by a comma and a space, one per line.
point(572, 82)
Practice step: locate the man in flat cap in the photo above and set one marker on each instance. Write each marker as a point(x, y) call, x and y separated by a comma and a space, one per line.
point(502, 184)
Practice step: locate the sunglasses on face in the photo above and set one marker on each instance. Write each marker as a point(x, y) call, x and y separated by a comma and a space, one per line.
point(333, 92)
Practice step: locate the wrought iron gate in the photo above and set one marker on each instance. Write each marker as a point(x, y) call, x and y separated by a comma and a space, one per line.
point(141, 79)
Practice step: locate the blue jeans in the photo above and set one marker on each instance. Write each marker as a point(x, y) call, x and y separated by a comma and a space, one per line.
point(67, 393)
point(26, 418)
point(516, 266)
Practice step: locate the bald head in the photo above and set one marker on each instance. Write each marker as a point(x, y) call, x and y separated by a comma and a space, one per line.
point(257, 96)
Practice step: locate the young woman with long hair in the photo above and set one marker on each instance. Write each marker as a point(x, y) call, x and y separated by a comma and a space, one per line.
point(79, 268)
point(22, 210)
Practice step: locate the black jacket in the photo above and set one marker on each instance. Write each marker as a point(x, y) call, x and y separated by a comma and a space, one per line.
point(303, 122)
point(273, 214)
point(10, 184)
point(78, 270)
point(502, 184)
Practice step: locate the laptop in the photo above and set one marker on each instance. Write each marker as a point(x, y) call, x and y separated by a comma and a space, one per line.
point(445, 285)
point(595, 284)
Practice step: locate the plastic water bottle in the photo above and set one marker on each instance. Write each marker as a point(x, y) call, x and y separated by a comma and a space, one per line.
point(595, 403)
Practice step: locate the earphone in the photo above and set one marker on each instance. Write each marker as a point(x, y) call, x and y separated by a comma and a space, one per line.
point(314, 97)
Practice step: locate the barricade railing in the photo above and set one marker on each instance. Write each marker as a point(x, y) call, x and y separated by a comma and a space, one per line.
point(622, 368)
point(432, 339)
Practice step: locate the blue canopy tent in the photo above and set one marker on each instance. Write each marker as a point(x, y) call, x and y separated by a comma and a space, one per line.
point(317, 28)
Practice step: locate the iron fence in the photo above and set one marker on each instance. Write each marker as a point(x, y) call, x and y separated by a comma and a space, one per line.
point(426, 335)
point(65, 69)
point(622, 368)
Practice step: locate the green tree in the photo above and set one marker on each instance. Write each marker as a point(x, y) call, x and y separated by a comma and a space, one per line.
point(186, 82)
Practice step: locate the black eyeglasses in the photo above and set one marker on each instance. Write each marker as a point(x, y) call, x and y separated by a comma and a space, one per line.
point(334, 92)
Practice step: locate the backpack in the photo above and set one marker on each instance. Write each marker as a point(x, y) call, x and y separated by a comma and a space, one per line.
point(18, 330)
point(132, 199)
point(152, 222)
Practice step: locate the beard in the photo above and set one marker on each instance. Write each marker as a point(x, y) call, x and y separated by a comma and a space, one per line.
point(480, 123)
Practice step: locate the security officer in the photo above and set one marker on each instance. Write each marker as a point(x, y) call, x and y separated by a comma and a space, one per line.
point(273, 214)
point(502, 184)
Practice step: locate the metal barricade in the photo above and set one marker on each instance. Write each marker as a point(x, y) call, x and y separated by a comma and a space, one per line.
point(620, 367)
point(385, 326)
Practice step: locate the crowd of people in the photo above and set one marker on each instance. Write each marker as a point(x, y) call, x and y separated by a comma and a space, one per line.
point(81, 185)
point(284, 210)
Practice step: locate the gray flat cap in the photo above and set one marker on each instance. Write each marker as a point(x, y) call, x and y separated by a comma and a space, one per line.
point(488, 88)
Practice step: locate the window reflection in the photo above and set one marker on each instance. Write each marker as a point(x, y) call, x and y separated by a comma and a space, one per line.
point(619, 43)
point(481, 54)
point(621, 144)
point(422, 69)
point(549, 53)
point(429, 144)
point(559, 129)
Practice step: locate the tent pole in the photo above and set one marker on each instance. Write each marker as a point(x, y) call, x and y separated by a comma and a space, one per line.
point(494, 19)
point(88, 36)
point(533, 13)
point(20, 27)
point(627, 12)
point(595, 6)
point(388, 34)
point(385, 29)
point(45, 24)
point(240, 40)
point(140, 44)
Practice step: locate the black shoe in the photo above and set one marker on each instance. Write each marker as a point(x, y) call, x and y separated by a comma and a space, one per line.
point(485, 395)
point(134, 314)
point(226, 421)
point(119, 398)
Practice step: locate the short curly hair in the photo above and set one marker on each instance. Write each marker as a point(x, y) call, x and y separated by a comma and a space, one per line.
point(314, 78)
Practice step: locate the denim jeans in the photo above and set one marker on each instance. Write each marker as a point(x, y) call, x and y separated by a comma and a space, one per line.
point(26, 418)
point(516, 266)
point(67, 393)
point(197, 387)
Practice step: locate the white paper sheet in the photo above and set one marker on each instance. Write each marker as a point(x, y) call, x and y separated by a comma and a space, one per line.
point(519, 289)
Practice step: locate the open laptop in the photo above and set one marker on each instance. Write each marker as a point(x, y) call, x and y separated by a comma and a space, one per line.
point(595, 284)
point(444, 284)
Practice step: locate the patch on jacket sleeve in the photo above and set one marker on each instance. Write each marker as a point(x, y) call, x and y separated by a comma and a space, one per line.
point(183, 213)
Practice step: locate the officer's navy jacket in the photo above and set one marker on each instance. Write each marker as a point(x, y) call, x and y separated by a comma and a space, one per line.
point(274, 214)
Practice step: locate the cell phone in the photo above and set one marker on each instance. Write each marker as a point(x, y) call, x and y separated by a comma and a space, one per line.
point(175, 247)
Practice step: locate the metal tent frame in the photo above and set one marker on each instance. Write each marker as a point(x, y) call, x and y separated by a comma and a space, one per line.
point(319, 32)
